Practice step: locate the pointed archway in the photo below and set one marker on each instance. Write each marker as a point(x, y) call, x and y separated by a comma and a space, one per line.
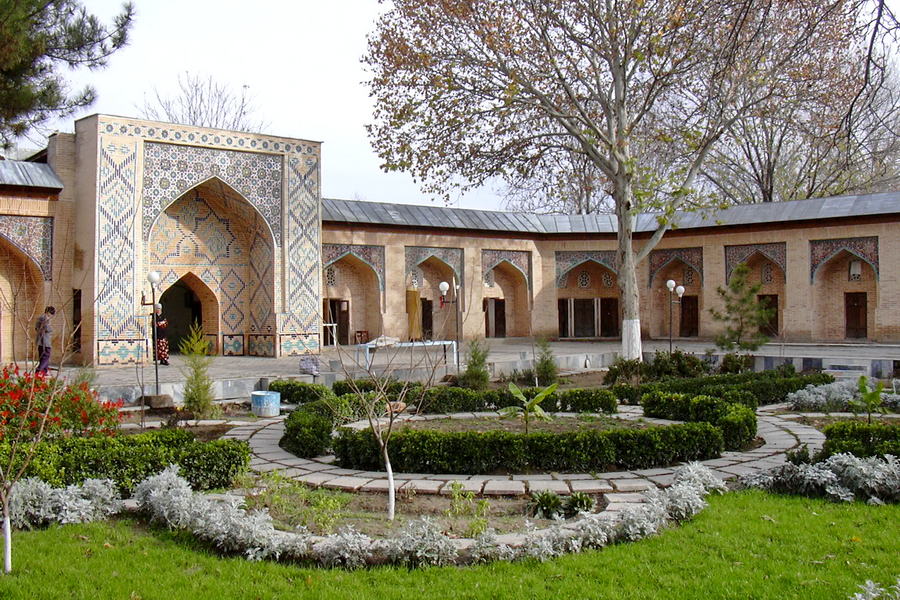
point(588, 301)
point(213, 234)
point(21, 302)
point(351, 300)
point(187, 301)
point(439, 319)
point(844, 297)
point(506, 309)
point(685, 315)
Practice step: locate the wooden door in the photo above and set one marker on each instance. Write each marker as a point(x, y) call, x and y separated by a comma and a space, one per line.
point(340, 312)
point(609, 317)
point(499, 317)
point(427, 319)
point(585, 322)
point(770, 301)
point(855, 314)
point(562, 306)
point(690, 317)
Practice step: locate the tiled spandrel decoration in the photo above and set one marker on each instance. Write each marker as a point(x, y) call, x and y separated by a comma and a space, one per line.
point(660, 259)
point(736, 255)
point(821, 251)
point(566, 260)
point(34, 237)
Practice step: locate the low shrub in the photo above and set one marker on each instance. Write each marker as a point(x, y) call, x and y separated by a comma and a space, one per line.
point(736, 421)
point(127, 460)
point(306, 434)
point(738, 425)
point(586, 400)
point(630, 371)
point(677, 364)
point(476, 376)
point(337, 409)
point(861, 439)
point(838, 396)
point(736, 363)
point(454, 399)
point(300, 392)
point(451, 400)
point(545, 369)
point(426, 451)
point(393, 388)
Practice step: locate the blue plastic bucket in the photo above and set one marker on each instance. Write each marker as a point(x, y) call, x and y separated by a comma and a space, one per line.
point(265, 404)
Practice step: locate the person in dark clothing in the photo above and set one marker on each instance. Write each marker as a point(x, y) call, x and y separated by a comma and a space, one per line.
point(162, 342)
point(44, 339)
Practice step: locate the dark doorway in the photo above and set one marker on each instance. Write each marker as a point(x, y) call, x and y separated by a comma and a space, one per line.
point(427, 319)
point(562, 306)
point(769, 301)
point(609, 317)
point(856, 315)
point(494, 317)
point(690, 317)
point(181, 308)
point(585, 321)
point(337, 311)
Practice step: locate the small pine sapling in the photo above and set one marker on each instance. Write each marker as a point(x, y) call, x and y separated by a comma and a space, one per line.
point(545, 369)
point(744, 315)
point(476, 376)
point(198, 385)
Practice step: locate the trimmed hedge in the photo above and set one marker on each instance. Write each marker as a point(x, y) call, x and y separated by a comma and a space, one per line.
point(306, 434)
point(300, 392)
point(424, 451)
point(737, 421)
point(770, 387)
point(393, 387)
point(861, 439)
point(454, 399)
point(127, 460)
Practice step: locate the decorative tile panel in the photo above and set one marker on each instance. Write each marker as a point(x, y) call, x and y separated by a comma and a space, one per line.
point(304, 269)
point(116, 259)
point(121, 351)
point(821, 251)
point(736, 255)
point(233, 345)
point(33, 236)
point(452, 257)
point(297, 344)
point(371, 255)
point(660, 259)
point(171, 170)
point(520, 259)
point(567, 260)
point(260, 345)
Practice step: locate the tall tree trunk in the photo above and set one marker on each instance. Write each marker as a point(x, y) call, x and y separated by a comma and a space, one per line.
point(627, 266)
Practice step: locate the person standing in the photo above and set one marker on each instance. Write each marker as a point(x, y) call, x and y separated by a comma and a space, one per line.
point(44, 338)
point(162, 342)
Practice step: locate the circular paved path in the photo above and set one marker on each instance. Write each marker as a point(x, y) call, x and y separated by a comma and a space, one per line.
point(619, 488)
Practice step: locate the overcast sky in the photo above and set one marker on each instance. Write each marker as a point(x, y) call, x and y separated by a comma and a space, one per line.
point(300, 59)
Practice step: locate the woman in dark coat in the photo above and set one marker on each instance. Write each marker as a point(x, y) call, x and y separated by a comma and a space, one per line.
point(162, 342)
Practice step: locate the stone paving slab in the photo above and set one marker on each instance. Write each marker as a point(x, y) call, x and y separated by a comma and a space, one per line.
point(314, 479)
point(507, 487)
point(616, 497)
point(632, 485)
point(376, 485)
point(540, 485)
point(591, 486)
point(423, 486)
point(468, 485)
point(350, 484)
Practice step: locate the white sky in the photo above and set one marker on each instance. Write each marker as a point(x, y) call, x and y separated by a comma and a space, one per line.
point(301, 59)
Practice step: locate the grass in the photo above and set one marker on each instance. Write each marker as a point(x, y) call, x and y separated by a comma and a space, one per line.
point(746, 545)
point(582, 422)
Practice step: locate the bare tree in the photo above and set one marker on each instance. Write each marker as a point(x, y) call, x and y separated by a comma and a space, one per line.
point(566, 184)
point(644, 89)
point(204, 102)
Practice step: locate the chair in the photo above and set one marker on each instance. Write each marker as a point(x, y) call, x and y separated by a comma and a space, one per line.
point(362, 336)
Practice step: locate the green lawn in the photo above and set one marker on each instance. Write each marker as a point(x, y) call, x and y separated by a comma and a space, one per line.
point(746, 545)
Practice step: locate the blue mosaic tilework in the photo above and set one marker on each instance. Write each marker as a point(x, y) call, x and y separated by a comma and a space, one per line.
point(297, 344)
point(567, 260)
point(260, 345)
point(180, 134)
point(303, 277)
point(33, 236)
point(660, 259)
point(452, 257)
point(115, 242)
point(371, 255)
point(520, 259)
point(233, 345)
point(171, 170)
point(737, 255)
point(121, 351)
point(821, 251)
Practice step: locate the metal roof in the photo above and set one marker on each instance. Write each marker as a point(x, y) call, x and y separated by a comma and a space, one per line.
point(406, 215)
point(28, 174)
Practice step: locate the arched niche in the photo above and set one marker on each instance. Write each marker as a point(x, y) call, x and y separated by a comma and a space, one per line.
point(21, 302)
point(844, 297)
point(507, 312)
point(351, 283)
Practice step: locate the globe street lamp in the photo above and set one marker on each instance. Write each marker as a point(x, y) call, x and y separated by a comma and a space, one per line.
point(679, 291)
point(153, 277)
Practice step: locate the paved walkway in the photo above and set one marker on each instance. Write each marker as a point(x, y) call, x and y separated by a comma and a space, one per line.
point(619, 488)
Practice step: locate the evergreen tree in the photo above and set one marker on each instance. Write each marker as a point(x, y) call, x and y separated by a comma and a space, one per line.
point(744, 316)
point(36, 38)
point(198, 385)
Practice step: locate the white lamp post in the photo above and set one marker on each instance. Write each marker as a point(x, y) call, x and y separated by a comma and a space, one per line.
point(679, 291)
point(444, 287)
point(153, 277)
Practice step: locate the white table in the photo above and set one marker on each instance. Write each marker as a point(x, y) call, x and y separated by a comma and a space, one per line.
point(368, 349)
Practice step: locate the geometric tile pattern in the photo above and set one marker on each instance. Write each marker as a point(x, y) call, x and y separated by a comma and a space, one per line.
point(520, 259)
point(371, 255)
point(171, 170)
point(115, 242)
point(821, 251)
point(737, 255)
point(566, 260)
point(297, 344)
point(260, 345)
point(660, 259)
point(233, 345)
point(33, 236)
point(303, 308)
point(121, 351)
point(452, 257)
